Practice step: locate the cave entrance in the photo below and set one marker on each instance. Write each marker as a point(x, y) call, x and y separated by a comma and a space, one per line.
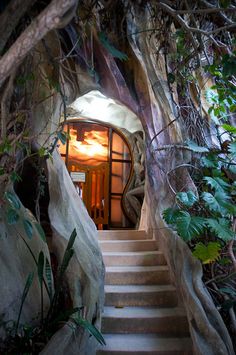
point(99, 160)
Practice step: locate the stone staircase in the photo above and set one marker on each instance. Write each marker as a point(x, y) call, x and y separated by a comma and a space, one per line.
point(141, 313)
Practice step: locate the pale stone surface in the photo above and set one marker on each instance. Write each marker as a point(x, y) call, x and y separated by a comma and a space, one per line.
point(85, 273)
point(104, 109)
point(17, 263)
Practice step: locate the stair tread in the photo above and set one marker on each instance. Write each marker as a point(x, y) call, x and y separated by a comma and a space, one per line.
point(136, 268)
point(143, 312)
point(126, 241)
point(131, 253)
point(137, 288)
point(145, 342)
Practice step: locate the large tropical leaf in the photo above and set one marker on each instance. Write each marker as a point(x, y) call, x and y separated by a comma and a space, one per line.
point(221, 228)
point(232, 148)
point(209, 161)
point(189, 227)
point(171, 214)
point(187, 198)
point(216, 202)
point(207, 253)
point(216, 183)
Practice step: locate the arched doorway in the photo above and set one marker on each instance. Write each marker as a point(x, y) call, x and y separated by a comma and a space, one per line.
point(99, 160)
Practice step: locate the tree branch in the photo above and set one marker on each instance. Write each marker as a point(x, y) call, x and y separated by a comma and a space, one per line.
point(189, 29)
point(10, 18)
point(56, 15)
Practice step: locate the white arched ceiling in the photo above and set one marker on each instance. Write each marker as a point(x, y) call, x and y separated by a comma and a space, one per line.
point(99, 107)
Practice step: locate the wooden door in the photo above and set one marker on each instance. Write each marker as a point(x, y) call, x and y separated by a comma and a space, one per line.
point(93, 186)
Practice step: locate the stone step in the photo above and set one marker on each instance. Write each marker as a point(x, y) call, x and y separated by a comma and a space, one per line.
point(145, 320)
point(141, 258)
point(127, 234)
point(140, 295)
point(128, 245)
point(137, 275)
point(145, 344)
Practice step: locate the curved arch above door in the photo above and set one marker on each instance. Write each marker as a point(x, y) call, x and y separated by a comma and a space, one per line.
point(99, 160)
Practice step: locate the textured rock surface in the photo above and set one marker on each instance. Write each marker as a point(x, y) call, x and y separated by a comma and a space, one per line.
point(85, 274)
point(17, 262)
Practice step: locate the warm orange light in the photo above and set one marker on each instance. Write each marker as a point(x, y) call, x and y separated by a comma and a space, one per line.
point(93, 145)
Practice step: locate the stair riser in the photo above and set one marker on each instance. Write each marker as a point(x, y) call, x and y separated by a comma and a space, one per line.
point(137, 278)
point(133, 260)
point(160, 299)
point(129, 246)
point(124, 235)
point(175, 325)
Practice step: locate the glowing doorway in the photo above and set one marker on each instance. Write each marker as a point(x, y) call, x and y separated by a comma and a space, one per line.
point(99, 160)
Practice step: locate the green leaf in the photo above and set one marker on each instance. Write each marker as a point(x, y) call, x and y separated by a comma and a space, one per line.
point(91, 329)
point(216, 183)
point(224, 3)
point(48, 274)
point(65, 262)
point(232, 148)
point(207, 253)
point(170, 215)
point(13, 199)
point(221, 228)
point(12, 216)
point(196, 148)
point(42, 152)
point(15, 177)
point(228, 291)
point(40, 231)
point(28, 228)
point(110, 48)
point(187, 198)
point(62, 136)
point(71, 240)
point(23, 297)
point(215, 203)
point(40, 267)
point(209, 161)
point(189, 227)
point(232, 108)
point(171, 78)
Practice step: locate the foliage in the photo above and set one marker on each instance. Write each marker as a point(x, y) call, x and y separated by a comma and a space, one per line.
point(25, 338)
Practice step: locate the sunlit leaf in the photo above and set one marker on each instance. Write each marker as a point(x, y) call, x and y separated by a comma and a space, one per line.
point(207, 253)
